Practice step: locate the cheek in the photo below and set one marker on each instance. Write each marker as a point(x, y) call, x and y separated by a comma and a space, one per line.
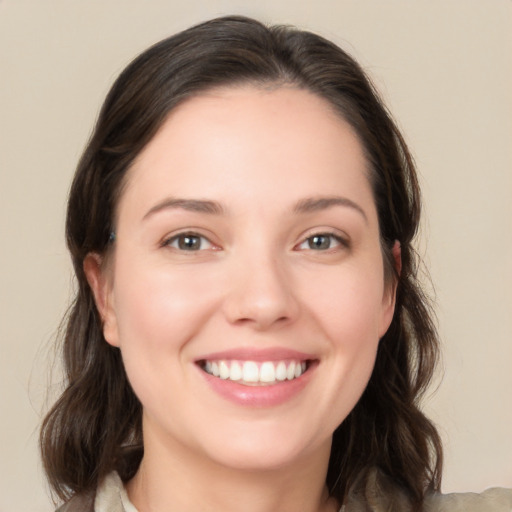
point(348, 308)
point(348, 303)
point(158, 308)
point(158, 313)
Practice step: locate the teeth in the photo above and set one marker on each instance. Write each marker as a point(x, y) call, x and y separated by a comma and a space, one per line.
point(267, 372)
point(223, 370)
point(250, 372)
point(290, 373)
point(236, 371)
point(281, 371)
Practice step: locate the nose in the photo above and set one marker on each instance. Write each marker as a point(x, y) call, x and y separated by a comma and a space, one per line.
point(261, 295)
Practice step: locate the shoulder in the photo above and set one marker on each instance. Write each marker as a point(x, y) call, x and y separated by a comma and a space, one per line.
point(110, 496)
point(379, 493)
point(79, 503)
point(492, 500)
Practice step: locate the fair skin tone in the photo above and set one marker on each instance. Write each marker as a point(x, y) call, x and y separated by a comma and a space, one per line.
point(247, 242)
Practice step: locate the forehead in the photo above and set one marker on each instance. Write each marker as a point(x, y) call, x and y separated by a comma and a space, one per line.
point(249, 140)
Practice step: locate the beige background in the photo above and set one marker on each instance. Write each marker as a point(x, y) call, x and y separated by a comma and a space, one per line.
point(444, 67)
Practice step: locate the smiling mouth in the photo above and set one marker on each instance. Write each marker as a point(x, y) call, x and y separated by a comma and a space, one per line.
point(252, 373)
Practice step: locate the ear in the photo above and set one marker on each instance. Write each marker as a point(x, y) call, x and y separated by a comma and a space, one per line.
point(100, 281)
point(389, 299)
point(397, 257)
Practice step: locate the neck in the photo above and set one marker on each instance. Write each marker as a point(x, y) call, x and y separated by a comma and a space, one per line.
point(174, 478)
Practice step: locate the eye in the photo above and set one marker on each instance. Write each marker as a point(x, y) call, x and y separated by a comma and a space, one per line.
point(188, 242)
point(321, 242)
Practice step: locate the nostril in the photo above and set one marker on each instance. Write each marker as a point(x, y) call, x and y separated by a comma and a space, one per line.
point(260, 322)
point(261, 298)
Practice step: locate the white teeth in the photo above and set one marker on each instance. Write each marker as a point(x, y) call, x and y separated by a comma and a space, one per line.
point(290, 373)
point(223, 370)
point(267, 372)
point(236, 371)
point(281, 371)
point(251, 372)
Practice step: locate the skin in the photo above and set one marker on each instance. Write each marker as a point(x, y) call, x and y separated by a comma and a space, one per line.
point(255, 281)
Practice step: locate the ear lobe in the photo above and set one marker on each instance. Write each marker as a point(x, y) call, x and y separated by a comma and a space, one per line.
point(390, 292)
point(101, 286)
point(397, 256)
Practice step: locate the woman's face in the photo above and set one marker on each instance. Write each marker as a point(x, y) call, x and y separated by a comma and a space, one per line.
point(246, 288)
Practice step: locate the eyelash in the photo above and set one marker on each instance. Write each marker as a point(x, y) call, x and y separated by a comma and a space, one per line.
point(339, 241)
point(181, 237)
point(175, 239)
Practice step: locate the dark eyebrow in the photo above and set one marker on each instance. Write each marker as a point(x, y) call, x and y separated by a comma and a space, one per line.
point(314, 204)
point(191, 205)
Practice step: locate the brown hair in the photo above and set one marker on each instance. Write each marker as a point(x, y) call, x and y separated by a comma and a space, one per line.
point(95, 426)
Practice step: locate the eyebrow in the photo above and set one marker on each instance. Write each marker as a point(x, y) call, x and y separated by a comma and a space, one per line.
point(314, 204)
point(191, 205)
point(306, 205)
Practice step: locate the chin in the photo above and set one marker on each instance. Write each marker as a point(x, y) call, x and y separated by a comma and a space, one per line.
point(264, 449)
point(257, 460)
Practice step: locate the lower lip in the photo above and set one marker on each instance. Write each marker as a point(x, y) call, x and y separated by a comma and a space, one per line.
point(259, 396)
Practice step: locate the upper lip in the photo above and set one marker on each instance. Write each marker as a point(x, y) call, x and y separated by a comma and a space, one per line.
point(251, 354)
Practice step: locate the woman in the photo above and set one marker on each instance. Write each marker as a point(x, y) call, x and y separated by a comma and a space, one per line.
point(248, 330)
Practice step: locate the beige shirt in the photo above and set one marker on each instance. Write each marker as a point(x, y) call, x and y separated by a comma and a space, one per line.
point(111, 497)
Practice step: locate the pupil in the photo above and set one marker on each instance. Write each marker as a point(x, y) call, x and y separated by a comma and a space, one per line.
point(319, 242)
point(189, 242)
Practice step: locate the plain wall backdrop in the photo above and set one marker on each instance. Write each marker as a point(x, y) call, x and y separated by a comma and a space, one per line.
point(444, 69)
